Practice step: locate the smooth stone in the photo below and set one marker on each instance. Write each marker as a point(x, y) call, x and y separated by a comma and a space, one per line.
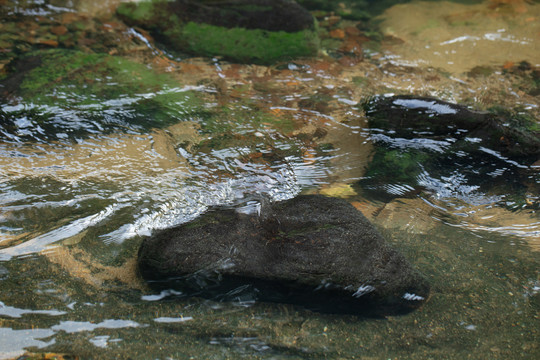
point(314, 251)
point(414, 117)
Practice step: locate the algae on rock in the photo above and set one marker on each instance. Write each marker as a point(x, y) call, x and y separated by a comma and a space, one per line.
point(259, 31)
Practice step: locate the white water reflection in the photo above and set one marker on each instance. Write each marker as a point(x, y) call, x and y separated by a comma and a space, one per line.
point(14, 342)
point(527, 231)
point(492, 36)
point(41, 242)
point(432, 106)
point(185, 204)
point(152, 202)
point(14, 312)
point(80, 326)
point(168, 320)
point(100, 341)
point(163, 294)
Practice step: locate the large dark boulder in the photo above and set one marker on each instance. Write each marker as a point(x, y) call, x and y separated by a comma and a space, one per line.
point(315, 251)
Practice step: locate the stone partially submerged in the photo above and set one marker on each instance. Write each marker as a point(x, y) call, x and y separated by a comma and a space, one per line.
point(258, 31)
point(412, 117)
point(422, 143)
point(89, 93)
point(314, 251)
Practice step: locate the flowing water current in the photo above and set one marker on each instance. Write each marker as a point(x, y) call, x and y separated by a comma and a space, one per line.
point(89, 168)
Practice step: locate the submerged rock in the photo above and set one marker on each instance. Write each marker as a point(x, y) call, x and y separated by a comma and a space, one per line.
point(89, 93)
point(315, 251)
point(259, 31)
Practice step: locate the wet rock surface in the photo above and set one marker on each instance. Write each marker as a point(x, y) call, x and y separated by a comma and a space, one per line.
point(67, 100)
point(420, 141)
point(314, 251)
point(424, 117)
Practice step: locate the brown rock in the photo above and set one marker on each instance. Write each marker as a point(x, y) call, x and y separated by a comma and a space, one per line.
point(59, 30)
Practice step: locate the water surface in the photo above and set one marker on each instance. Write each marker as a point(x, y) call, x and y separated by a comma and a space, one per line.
point(83, 179)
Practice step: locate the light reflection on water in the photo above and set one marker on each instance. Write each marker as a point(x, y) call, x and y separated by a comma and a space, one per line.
point(13, 342)
point(171, 196)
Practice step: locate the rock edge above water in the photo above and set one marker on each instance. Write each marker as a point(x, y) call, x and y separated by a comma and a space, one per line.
point(410, 116)
point(314, 251)
point(246, 31)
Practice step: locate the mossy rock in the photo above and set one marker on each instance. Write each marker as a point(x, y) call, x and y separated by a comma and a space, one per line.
point(258, 31)
point(72, 91)
point(397, 165)
point(248, 45)
point(81, 78)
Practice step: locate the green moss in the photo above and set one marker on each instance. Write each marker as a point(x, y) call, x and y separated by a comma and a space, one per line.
point(49, 74)
point(397, 166)
point(93, 78)
point(142, 11)
point(258, 46)
point(202, 39)
point(239, 119)
point(517, 119)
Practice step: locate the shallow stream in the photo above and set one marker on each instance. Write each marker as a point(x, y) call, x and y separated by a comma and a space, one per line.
point(85, 174)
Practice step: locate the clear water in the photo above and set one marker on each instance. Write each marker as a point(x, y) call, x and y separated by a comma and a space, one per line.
point(77, 197)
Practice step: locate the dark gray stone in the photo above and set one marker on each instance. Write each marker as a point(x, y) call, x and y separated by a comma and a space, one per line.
point(245, 31)
point(413, 117)
point(315, 251)
point(421, 143)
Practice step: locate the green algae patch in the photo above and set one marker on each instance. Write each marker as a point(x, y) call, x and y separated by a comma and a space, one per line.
point(249, 45)
point(393, 165)
point(244, 118)
point(87, 78)
point(144, 13)
point(253, 133)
